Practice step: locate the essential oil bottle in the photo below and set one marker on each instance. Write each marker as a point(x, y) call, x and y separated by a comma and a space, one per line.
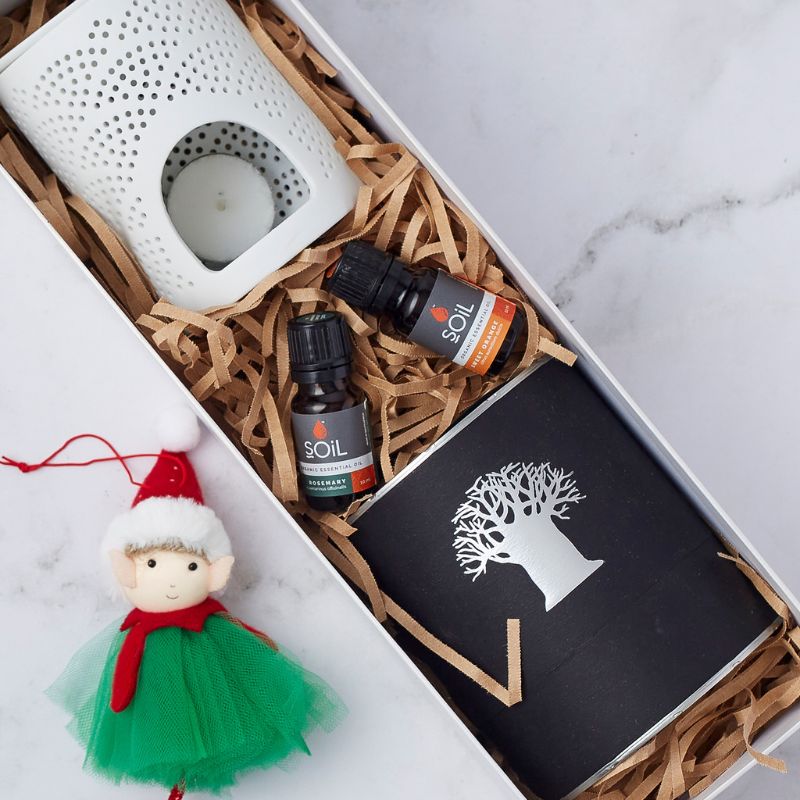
point(454, 318)
point(330, 418)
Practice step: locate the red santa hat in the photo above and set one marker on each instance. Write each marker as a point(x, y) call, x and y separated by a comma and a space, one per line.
point(168, 510)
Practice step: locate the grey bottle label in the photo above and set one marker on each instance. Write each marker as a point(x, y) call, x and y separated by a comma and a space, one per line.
point(464, 323)
point(334, 452)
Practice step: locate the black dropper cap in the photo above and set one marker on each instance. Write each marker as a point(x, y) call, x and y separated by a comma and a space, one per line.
point(319, 347)
point(358, 276)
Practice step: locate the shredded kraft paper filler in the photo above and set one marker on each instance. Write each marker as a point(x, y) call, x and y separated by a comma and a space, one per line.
point(235, 361)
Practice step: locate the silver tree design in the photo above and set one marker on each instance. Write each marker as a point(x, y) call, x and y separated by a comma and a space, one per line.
point(509, 518)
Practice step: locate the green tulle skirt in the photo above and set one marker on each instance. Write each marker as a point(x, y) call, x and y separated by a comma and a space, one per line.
point(208, 706)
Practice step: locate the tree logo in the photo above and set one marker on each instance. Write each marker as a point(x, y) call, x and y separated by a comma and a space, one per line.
point(440, 313)
point(509, 518)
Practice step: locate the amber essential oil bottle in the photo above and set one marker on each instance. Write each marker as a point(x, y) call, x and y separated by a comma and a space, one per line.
point(468, 325)
point(330, 418)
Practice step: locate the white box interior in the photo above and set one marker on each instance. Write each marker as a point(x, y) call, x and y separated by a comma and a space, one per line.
point(391, 128)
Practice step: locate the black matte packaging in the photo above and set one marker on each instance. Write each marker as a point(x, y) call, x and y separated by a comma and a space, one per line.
point(541, 506)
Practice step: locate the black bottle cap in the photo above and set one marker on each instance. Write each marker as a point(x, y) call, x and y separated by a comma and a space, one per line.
point(359, 274)
point(319, 343)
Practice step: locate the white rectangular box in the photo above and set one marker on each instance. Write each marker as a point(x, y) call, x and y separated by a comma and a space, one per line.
point(392, 129)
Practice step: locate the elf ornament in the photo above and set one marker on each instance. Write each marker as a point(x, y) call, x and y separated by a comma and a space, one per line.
point(181, 693)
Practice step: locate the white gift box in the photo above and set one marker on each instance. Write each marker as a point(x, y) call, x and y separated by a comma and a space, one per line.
point(392, 129)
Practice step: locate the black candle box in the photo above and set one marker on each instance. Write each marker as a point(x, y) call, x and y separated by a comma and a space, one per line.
point(541, 505)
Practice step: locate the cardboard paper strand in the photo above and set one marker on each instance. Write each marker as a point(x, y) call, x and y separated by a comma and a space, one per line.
point(235, 360)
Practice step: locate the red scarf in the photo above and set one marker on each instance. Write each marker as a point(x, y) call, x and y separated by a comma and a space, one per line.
point(138, 624)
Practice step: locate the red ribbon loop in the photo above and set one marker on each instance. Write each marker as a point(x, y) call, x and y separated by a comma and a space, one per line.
point(24, 467)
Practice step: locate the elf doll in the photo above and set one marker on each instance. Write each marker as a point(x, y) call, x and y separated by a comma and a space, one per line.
point(181, 693)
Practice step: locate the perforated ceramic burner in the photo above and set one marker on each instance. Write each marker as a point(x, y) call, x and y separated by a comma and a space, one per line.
point(119, 96)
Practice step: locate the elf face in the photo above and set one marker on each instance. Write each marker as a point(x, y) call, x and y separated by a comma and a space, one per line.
point(168, 580)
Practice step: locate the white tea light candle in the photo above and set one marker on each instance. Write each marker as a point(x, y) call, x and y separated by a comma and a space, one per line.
point(221, 206)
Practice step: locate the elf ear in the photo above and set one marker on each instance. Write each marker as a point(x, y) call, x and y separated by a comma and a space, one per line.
point(219, 572)
point(124, 568)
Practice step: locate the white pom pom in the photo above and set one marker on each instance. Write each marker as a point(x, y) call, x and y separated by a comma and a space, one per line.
point(178, 429)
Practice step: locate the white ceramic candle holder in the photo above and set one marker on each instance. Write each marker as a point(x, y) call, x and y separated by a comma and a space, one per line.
point(118, 96)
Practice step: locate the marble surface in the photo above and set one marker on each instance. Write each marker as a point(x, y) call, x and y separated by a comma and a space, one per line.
point(641, 160)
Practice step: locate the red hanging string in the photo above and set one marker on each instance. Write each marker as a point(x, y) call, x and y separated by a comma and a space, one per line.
point(22, 466)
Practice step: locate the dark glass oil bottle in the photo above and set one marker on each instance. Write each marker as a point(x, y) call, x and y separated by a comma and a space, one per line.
point(330, 417)
point(452, 317)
